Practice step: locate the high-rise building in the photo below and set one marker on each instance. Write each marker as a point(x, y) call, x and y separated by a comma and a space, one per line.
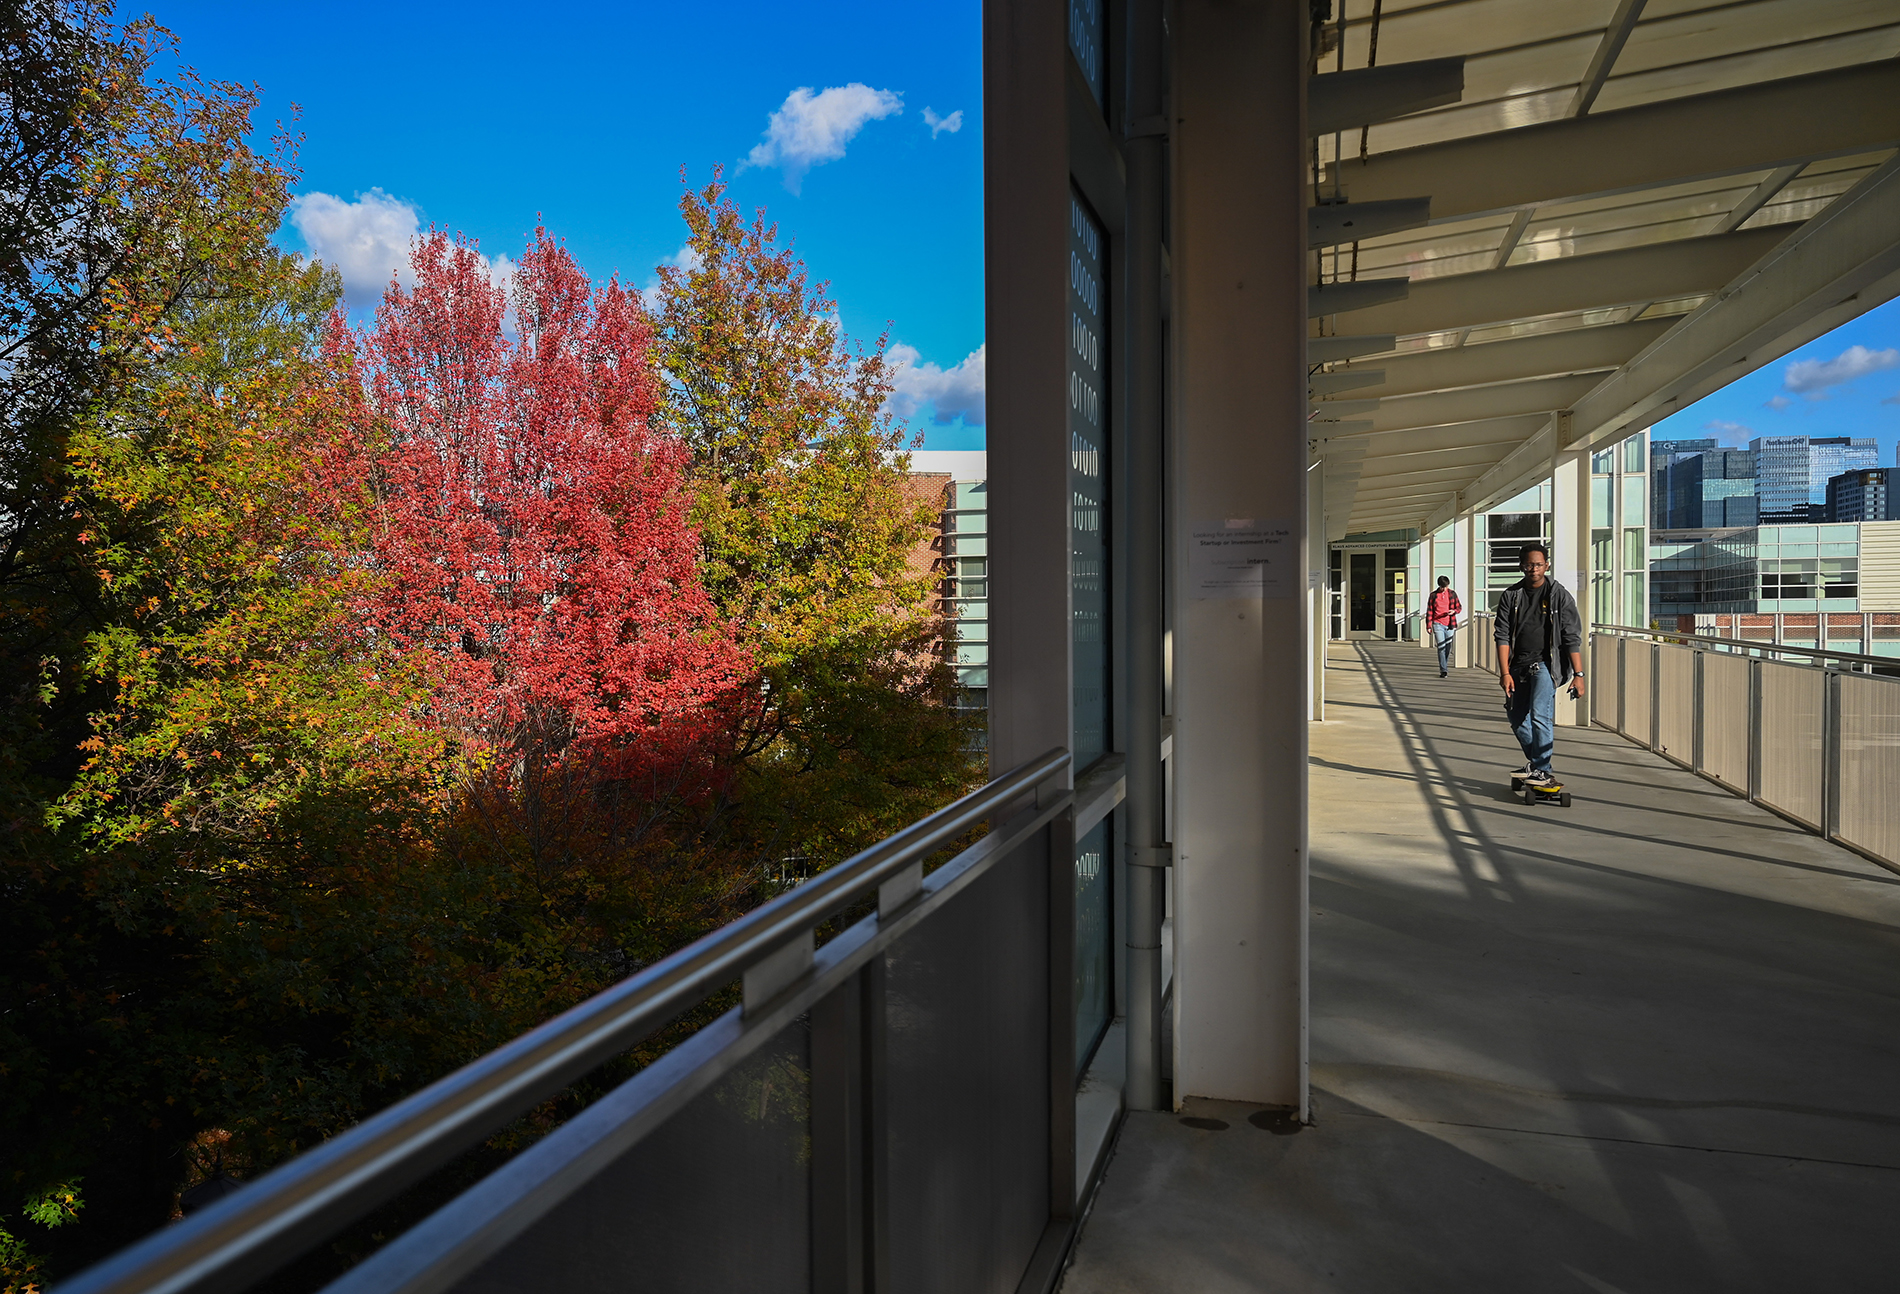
point(1792, 472)
point(1713, 488)
point(1865, 494)
point(1663, 456)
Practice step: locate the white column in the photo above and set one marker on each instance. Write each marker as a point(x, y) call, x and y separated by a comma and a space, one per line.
point(1318, 565)
point(1239, 446)
point(1467, 568)
point(1570, 558)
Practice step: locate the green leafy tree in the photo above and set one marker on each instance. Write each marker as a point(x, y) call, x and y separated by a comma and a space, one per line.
point(807, 533)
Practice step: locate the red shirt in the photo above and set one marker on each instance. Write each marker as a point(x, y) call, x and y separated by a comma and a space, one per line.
point(1443, 608)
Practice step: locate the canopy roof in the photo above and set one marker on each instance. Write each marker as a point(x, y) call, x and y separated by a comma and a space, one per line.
point(1631, 205)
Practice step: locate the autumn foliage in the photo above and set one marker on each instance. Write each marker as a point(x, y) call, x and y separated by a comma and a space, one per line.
point(378, 691)
point(526, 517)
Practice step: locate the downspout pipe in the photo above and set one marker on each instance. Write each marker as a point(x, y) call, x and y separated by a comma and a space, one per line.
point(1145, 156)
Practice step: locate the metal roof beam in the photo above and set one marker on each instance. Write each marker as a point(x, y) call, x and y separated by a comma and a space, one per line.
point(1748, 128)
point(1330, 350)
point(1474, 458)
point(1837, 266)
point(1511, 399)
point(1579, 350)
point(1332, 223)
point(1684, 267)
point(1416, 440)
point(1367, 96)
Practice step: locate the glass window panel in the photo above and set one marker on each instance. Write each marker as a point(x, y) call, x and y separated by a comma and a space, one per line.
point(1633, 555)
point(1094, 951)
point(1600, 501)
point(1088, 482)
point(1636, 452)
point(1088, 41)
point(1633, 501)
point(1635, 608)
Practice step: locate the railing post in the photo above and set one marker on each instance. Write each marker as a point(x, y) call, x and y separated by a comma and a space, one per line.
point(1754, 728)
point(1623, 683)
point(1655, 694)
point(1831, 755)
point(1697, 710)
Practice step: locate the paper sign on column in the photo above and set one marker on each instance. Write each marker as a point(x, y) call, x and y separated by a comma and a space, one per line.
point(1241, 557)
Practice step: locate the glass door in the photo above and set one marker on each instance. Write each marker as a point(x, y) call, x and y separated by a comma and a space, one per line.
point(1362, 595)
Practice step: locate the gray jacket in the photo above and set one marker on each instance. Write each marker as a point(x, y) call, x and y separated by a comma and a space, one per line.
point(1564, 629)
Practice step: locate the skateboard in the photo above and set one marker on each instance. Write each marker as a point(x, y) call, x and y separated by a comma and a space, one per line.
point(1534, 795)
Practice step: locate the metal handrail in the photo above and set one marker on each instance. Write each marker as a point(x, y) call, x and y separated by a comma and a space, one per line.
point(276, 1218)
point(1749, 644)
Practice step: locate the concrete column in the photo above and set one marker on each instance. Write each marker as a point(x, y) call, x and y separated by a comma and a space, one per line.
point(1239, 451)
point(1570, 556)
point(1026, 249)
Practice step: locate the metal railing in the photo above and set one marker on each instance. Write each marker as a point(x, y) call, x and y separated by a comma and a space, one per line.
point(893, 1108)
point(1816, 740)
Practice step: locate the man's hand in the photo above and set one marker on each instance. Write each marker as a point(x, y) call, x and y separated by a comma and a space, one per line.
point(1504, 681)
point(1576, 686)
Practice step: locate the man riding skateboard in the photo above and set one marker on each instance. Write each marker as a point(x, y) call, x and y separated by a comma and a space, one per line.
point(1539, 638)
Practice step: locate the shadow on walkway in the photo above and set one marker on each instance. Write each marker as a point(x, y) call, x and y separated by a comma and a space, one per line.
point(1648, 1043)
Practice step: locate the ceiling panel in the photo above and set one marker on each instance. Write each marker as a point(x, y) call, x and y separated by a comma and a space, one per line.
point(1743, 69)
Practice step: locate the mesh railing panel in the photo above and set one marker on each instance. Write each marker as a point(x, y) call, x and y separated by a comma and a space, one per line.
point(1638, 660)
point(1604, 678)
point(1870, 765)
point(967, 1050)
point(1791, 750)
point(717, 1197)
point(1725, 705)
point(1675, 702)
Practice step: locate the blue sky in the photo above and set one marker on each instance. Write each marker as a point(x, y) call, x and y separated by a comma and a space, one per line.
point(482, 119)
point(1846, 383)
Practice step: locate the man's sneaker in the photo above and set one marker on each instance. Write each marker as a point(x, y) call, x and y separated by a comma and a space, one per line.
point(1519, 774)
point(1542, 780)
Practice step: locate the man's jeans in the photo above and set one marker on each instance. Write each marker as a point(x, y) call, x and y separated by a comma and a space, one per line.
point(1532, 710)
point(1442, 635)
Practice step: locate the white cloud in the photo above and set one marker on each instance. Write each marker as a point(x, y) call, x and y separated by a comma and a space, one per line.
point(1776, 402)
point(951, 393)
point(953, 123)
point(1739, 432)
point(1811, 376)
point(811, 129)
point(369, 241)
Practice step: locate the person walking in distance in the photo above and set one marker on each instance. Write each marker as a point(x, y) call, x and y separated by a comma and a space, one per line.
point(1539, 640)
point(1441, 617)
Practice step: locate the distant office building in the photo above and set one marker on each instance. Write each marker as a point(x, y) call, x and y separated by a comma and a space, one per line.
point(1792, 472)
point(1709, 488)
point(1663, 456)
point(1776, 570)
point(966, 589)
point(1865, 494)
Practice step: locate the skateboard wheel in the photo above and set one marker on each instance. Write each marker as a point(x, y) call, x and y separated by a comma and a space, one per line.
point(1566, 799)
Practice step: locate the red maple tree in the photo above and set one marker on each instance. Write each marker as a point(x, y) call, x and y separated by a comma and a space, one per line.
point(528, 519)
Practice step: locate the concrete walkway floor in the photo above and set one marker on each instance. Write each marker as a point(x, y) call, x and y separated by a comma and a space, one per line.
point(1647, 1044)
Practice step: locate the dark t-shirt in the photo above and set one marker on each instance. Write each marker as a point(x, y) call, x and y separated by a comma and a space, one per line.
point(1533, 632)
